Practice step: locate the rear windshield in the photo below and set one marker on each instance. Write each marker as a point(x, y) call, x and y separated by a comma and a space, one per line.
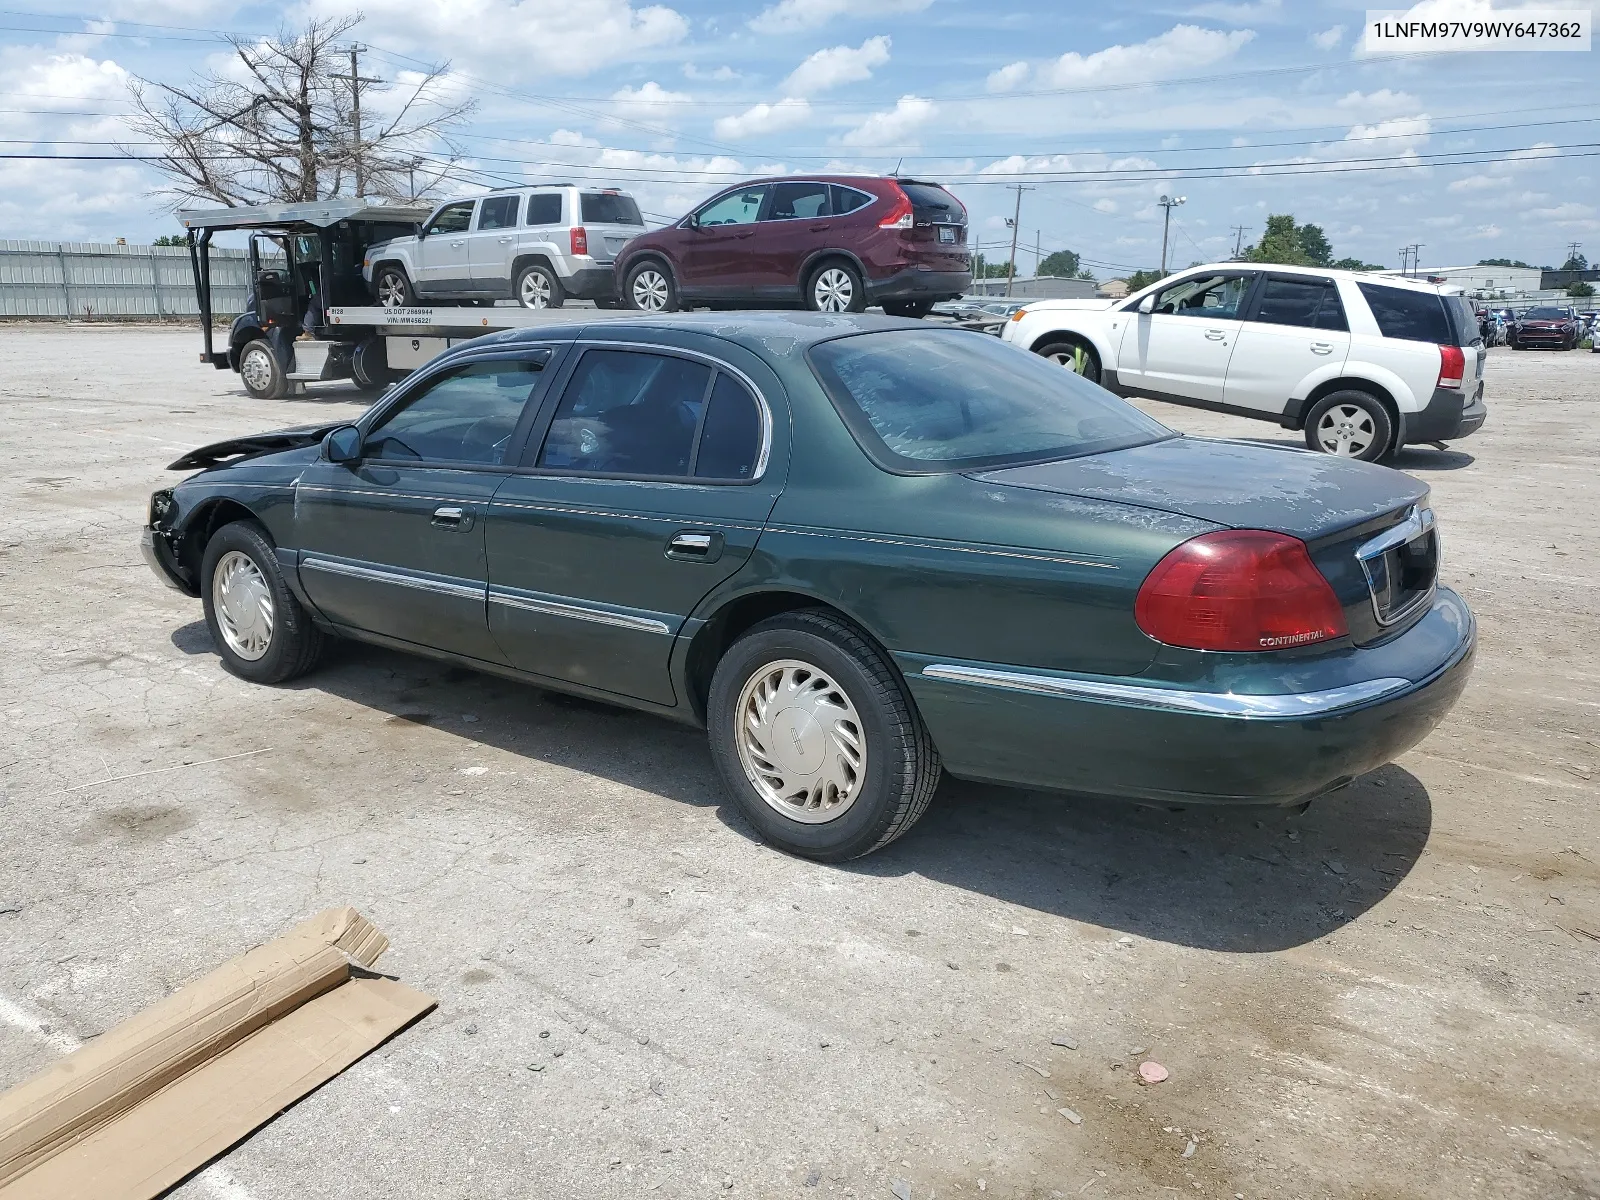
point(603, 208)
point(1412, 316)
point(949, 400)
point(931, 195)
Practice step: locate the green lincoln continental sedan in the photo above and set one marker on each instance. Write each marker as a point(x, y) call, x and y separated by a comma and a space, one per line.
point(859, 551)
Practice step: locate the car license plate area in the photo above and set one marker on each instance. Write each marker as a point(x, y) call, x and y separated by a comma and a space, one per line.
point(1402, 567)
point(947, 235)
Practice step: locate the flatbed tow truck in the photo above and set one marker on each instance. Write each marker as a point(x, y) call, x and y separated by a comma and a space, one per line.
point(310, 319)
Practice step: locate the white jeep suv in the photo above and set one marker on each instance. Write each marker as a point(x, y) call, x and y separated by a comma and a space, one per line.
point(1364, 364)
point(535, 245)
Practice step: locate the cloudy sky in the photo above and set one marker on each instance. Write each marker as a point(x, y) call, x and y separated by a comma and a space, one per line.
point(1244, 108)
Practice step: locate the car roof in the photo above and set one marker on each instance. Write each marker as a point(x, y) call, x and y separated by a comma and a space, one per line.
point(1421, 285)
point(754, 330)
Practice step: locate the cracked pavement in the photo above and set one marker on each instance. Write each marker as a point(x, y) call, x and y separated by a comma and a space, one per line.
point(1396, 993)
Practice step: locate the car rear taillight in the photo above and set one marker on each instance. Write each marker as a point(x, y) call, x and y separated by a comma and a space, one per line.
point(1239, 589)
point(580, 240)
point(900, 214)
point(1452, 366)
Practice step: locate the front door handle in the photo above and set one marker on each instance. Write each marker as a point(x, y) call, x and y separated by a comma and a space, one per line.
point(452, 518)
point(507, 240)
point(695, 545)
point(458, 244)
point(818, 228)
point(1321, 348)
point(1215, 335)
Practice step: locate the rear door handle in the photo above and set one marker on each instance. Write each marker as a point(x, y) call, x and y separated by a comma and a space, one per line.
point(1215, 335)
point(1321, 348)
point(507, 239)
point(453, 518)
point(695, 545)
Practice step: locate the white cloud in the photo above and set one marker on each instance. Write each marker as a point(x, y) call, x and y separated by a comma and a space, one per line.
point(1478, 183)
point(764, 118)
point(1537, 150)
point(1485, 232)
point(570, 38)
point(1105, 205)
point(1382, 102)
point(1329, 38)
point(797, 16)
point(1238, 14)
point(837, 65)
point(1564, 214)
point(650, 102)
point(892, 128)
point(1399, 129)
point(723, 74)
point(1181, 50)
point(1008, 77)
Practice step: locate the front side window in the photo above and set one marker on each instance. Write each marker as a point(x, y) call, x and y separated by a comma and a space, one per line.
point(627, 412)
point(1213, 297)
point(452, 218)
point(1308, 303)
point(544, 209)
point(949, 400)
point(498, 212)
point(736, 208)
point(1413, 316)
point(610, 208)
point(467, 416)
point(793, 201)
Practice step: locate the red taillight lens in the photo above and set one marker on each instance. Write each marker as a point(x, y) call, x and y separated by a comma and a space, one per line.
point(1452, 366)
point(580, 240)
point(899, 213)
point(1243, 589)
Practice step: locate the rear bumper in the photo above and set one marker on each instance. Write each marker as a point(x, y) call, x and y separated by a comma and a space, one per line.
point(1135, 740)
point(919, 285)
point(591, 283)
point(1449, 415)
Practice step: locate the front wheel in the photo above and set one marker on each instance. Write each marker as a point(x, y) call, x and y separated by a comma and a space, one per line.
point(260, 371)
point(1075, 357)
point(393, 289)
point(817, 740)
point(836, 287)
point(650, 288)
point(1350, 425)
point(260, 630)
point(538, 287)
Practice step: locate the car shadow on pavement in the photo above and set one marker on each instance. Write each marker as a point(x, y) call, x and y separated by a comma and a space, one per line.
point(1221, 879)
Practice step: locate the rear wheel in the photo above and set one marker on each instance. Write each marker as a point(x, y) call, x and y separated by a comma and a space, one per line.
point(369, 366)
point(1075, 357)
point(816, 739)
point(260, 371)
point(260, 630)
point(538, 287)
point(836, 287)
point(393, 289)
point(1350, 425)
point(915, 309)
point(651, 288)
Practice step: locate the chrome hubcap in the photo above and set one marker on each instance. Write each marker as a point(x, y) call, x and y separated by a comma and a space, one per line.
point(800, 741)
point(834, 290)
point(650, 291)
point(1346, 430)
point(243, 604)
point(391, 291)
point(1075, 360)
point(535, 290)
point(256, 370)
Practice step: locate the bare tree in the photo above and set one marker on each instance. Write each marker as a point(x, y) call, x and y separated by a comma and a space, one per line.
point(284, 125)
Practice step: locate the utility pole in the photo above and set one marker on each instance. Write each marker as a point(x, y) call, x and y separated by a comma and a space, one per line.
point(356, 79)
point(1168, 203)
point(1038, 251)
point(1416, 259)
point(1572, 251)
point(1016, 217)
point(1238, 241)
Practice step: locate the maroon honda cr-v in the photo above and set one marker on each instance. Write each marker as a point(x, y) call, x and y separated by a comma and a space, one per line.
point(834, 243)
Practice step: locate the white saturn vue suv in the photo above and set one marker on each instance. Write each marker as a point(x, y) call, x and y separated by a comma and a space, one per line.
point(535, 245)
point(1364, 364)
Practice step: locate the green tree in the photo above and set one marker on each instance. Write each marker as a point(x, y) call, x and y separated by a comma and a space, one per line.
point(1315, 243)
point(1576, 263)
point(1354, 264)
point(1280, 243)
point(1063, 264)
point(1579, 290)
point(1087, 274)
point(1140, 280)
point(1505, 262)
point(171, 239)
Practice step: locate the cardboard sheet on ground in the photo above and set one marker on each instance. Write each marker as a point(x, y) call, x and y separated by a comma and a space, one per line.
point(154, 1099)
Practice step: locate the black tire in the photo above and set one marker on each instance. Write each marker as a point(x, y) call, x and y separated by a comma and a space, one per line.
point(538, 287)
point(391, 287)
point(640, 293)
point(1078, 357)
point(261, 371)
point(902, 767)
point(369, 366)
point(915, 309)
point(836, 286)
point(1362, 417)
point(294, 644)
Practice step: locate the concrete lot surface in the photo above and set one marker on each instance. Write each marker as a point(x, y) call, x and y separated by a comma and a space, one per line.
point(1395, 994)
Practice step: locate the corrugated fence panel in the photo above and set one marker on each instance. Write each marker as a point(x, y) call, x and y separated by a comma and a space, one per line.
point(88, 281)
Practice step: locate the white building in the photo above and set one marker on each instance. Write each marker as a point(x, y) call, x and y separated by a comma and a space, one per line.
point(1484, 283)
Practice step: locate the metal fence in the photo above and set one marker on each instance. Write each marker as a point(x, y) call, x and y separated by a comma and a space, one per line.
point(92, 281)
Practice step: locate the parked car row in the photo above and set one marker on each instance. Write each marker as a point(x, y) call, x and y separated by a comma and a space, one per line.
point(831, 243)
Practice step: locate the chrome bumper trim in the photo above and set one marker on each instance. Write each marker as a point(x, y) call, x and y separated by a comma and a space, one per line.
point(1293, 706)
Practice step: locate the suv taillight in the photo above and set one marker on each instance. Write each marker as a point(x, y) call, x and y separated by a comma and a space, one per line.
point(1239, 589)
point(580, 240)
point(900, 214)
point(1452, 367)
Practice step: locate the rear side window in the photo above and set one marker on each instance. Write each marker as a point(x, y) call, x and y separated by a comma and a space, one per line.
point(1465, 319)
point(931, 195)
point(791, 201)
point(847, 199)
point(498, 212)
point(609, 208)
point(1310, 303)
point(1411, 316)
point(544, 209)
point(730, 439)
point(628, 413)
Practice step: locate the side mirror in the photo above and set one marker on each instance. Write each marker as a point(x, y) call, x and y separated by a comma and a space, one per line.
point(1148, 304)
point(342, 445)
point(692, 221)
point(422, 230)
